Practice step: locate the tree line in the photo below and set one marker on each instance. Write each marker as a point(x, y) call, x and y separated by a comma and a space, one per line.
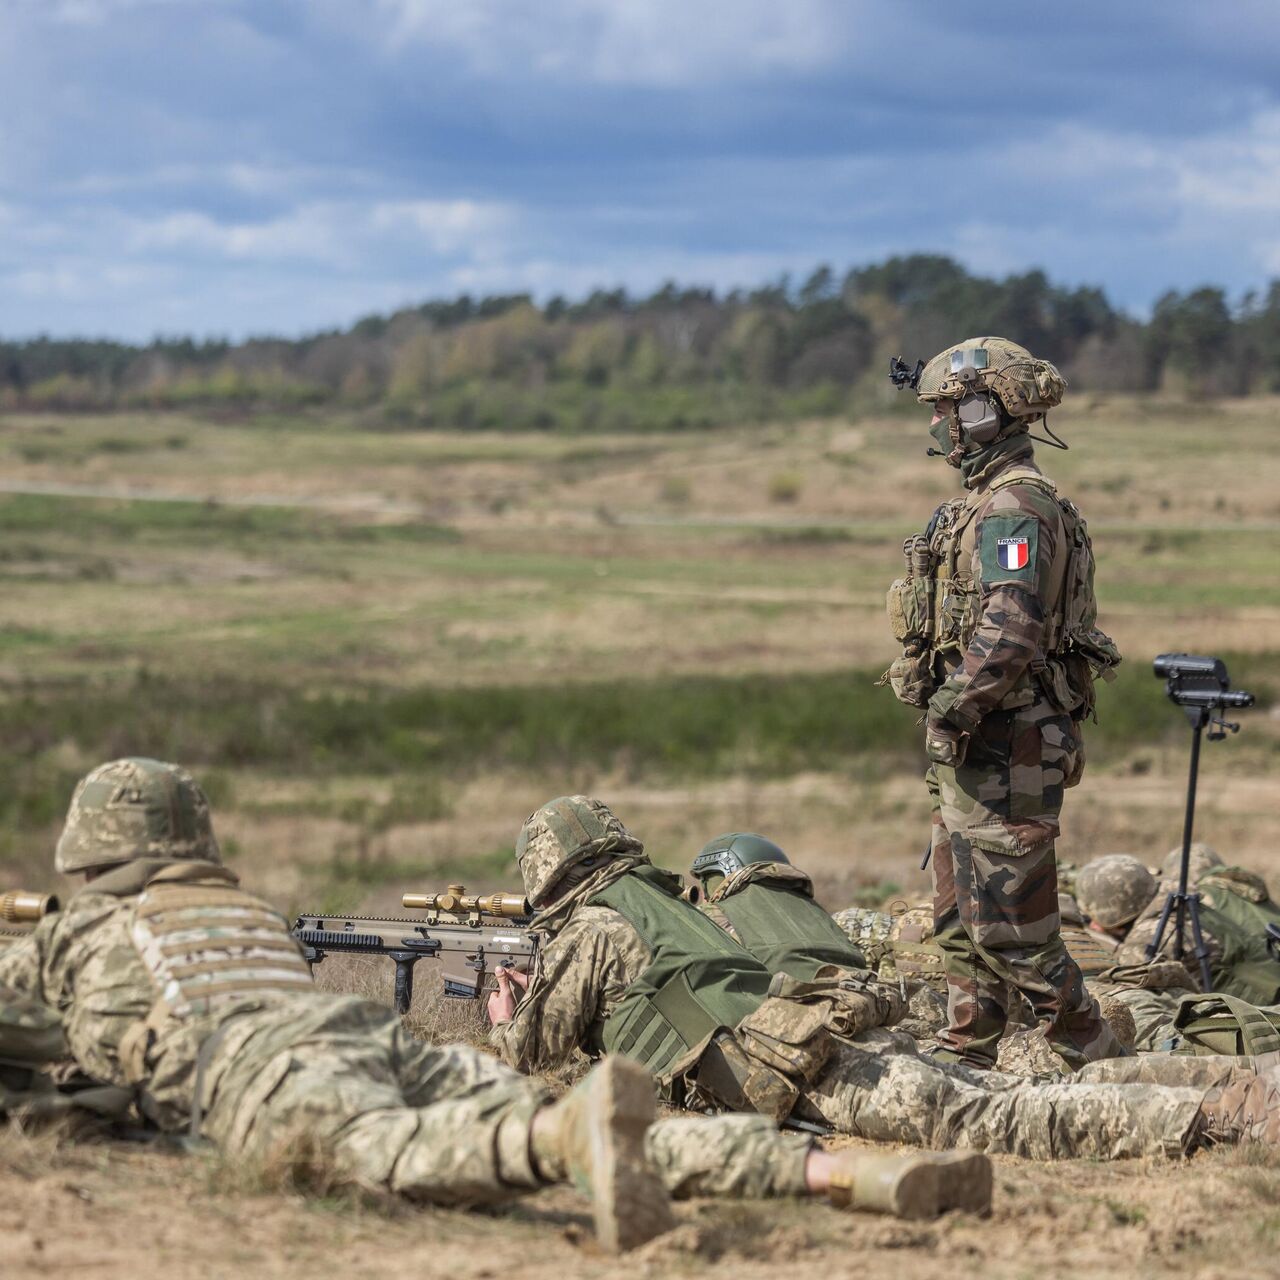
point(679, 357)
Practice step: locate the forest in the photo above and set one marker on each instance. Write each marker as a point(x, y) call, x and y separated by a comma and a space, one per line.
point(682, 357)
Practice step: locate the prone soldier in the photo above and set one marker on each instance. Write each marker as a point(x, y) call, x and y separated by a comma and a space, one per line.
point(175, 984)
point(630, 967)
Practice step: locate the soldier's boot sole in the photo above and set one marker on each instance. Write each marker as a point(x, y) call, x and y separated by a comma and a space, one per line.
point(629, 1204)
point(965, 1181)
point(903, 1186)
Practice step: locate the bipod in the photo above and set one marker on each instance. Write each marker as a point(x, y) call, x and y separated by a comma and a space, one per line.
point(1179, 903)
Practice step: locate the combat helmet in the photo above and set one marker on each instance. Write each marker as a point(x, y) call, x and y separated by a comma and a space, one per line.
point(1113, 889)
point(1203, 859)
point(1026, 387)
point(729, 853)
point(562, 834)
point(135, 808)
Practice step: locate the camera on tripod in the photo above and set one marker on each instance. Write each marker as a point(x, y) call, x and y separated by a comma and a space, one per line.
point(1200, 686)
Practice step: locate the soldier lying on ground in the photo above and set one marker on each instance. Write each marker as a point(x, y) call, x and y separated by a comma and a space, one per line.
point(632, 968)
point(1120, 902)
point(184, 993)
point(752, 891)
point(1235, 909)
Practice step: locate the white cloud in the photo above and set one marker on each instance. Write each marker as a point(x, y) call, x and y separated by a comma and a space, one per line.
point(652, 43)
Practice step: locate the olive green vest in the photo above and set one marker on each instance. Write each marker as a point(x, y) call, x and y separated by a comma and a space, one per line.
point(1246, 969)
point(698, 980)
point(787, 931)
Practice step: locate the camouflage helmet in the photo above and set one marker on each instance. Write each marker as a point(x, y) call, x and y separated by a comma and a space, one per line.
point(563, 833)
point(1203, 860)
point(135, 808)
point(1113, 889)
point(730, 853)
point(1027, 388)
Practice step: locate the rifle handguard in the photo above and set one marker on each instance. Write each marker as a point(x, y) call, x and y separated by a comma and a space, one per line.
point(20, 906)
point(507, 906)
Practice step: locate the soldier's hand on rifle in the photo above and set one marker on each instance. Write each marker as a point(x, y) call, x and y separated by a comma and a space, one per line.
point(502, 1003)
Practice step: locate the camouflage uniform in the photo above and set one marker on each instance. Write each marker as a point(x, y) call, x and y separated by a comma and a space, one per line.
point(445, 1124)
point(875, 1085)
point(996, 618)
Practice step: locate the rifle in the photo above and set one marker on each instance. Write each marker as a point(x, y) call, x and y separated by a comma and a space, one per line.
point(471, 936)
point(22, 907)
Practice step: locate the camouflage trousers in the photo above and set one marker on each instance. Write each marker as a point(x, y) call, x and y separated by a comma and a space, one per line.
point(439, 1123)
point(995, 886)
point(1152, 1012)
point(881, 1088)
point(1205, 1072)
point(734, 1157)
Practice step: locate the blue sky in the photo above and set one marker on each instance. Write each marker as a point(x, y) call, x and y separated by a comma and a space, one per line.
point(249, 166)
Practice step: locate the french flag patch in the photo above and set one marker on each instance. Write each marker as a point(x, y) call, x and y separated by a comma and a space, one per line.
point(1011, 553)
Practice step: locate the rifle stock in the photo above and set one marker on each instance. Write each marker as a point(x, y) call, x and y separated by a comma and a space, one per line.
point(470, 937)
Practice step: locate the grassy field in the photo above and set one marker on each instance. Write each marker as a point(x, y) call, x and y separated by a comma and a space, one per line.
point(380, 650)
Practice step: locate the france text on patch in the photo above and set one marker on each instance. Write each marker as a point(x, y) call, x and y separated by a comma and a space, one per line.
point(1011, 553)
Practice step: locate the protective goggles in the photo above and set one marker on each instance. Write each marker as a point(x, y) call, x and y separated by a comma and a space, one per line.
point(973, 358)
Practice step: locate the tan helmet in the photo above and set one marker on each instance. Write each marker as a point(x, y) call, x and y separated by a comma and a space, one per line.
point(1027, 388)
point(135, 808)
point(563, 833)
point(1202, 860)
point(1113, 889)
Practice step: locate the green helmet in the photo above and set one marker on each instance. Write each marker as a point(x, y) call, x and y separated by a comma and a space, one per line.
point(730, 853)
point(135, 808)
point(563, 833)
point(1113, 889)
point(1203, 859)
point(1027, 388)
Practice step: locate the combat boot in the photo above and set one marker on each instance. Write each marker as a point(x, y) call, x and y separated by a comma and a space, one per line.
point(595, 1139)
point(921, 1185)
point(1245, 1108)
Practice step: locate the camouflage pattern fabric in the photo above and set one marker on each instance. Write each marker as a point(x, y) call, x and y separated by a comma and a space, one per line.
point(883, 1090)
point(735, 1157)
point(878, 1086)
point(135, 808)
point(441, 1123)
point(1114, 889)
point(1165, 1070)
point(995, 889)
point(869, 930)
point(564, 833)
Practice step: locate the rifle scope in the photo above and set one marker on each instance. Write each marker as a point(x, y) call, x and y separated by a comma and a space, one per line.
point(19, 906)
point(507, 906)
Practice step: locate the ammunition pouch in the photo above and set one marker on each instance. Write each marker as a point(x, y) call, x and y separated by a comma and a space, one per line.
point(909, 604)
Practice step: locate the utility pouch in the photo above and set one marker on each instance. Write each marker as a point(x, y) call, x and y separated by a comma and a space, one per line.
point(911, 678)
point(910, 608)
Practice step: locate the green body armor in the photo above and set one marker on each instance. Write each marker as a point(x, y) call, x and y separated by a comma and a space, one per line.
point(787, 931)
point(698, 981)
point(1247, 968)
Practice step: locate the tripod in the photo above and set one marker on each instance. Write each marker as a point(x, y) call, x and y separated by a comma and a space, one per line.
point(1179, 903)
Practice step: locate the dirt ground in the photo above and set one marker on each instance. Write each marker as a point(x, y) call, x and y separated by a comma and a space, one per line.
point(122, 1210)
point(569, 559)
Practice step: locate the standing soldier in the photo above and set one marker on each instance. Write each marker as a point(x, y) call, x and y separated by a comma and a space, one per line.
point(997, 620)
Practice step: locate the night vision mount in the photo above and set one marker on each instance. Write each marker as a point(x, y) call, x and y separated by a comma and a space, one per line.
point(1200, 686)
point(903, 376)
